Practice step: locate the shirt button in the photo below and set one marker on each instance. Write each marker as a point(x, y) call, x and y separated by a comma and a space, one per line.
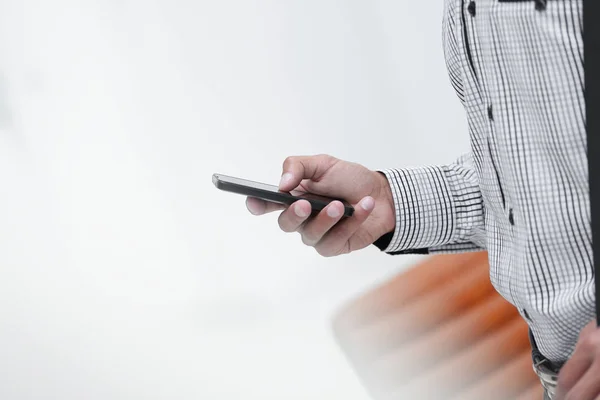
point(511, 217)
point(540, 5)
point(490, 114)
point(471, 8)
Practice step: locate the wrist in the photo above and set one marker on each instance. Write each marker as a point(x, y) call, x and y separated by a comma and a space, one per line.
point(386, 197)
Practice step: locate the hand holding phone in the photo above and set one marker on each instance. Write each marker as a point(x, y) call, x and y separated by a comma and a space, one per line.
point(337, 206)
point(273, 194)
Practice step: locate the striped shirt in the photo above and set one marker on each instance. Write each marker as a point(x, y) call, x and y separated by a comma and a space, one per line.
point(522, 192)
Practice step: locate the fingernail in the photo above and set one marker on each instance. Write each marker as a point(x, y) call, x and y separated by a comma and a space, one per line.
point(301, 212)
point(333, 212)
point(367, 204)
point(285, 179)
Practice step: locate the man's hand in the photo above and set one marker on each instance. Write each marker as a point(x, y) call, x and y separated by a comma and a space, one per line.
point(579, 379)
point(368, 191)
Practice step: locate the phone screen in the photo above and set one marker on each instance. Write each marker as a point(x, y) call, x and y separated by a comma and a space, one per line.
point(245, 182)
point(273, 188)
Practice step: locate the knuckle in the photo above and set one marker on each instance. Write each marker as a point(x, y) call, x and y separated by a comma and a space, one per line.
point(365, 236)
point(324, 251)
point(325, 159)
point(329, 249)
point(308, 240)
point(288, 162)
point(346, 249)
point(284, 222)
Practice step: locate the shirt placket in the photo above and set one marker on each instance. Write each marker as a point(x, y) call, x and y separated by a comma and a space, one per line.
point(469, 13)
point(480, 103)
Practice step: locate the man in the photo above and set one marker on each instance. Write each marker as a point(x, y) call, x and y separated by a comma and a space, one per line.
point(522, 193)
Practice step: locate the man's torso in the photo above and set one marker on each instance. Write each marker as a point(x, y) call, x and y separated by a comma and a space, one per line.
point(517, 66)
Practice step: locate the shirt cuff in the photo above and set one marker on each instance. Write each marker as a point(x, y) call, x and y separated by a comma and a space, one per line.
point(426, 202)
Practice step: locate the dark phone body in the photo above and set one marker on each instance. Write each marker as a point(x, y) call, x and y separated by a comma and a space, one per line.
point(273, 194)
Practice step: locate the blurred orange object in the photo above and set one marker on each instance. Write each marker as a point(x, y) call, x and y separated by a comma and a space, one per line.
point(439, 331)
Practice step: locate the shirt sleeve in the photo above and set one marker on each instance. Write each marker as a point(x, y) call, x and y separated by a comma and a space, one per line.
point(439, 209)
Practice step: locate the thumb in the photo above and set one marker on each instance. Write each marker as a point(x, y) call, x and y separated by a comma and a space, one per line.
point(296, 169)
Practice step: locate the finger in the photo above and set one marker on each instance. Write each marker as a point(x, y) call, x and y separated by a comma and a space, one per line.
point(336, 241)
point(260, 207)
point(572, 372)
point(579, 363)
point(295, 169)
point(292, 218)
point(589, 329)
point(314, 230)
point(588, 387)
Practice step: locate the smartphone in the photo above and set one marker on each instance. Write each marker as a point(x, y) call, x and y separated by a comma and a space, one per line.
point(273, 194)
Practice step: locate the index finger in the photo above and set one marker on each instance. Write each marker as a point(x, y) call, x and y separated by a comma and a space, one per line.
point(573, 370)
point(298, 168)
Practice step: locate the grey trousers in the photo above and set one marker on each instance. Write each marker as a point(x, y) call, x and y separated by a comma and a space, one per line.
point(545, 369)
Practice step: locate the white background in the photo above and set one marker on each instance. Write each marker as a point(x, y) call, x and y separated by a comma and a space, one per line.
point(123, 272)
